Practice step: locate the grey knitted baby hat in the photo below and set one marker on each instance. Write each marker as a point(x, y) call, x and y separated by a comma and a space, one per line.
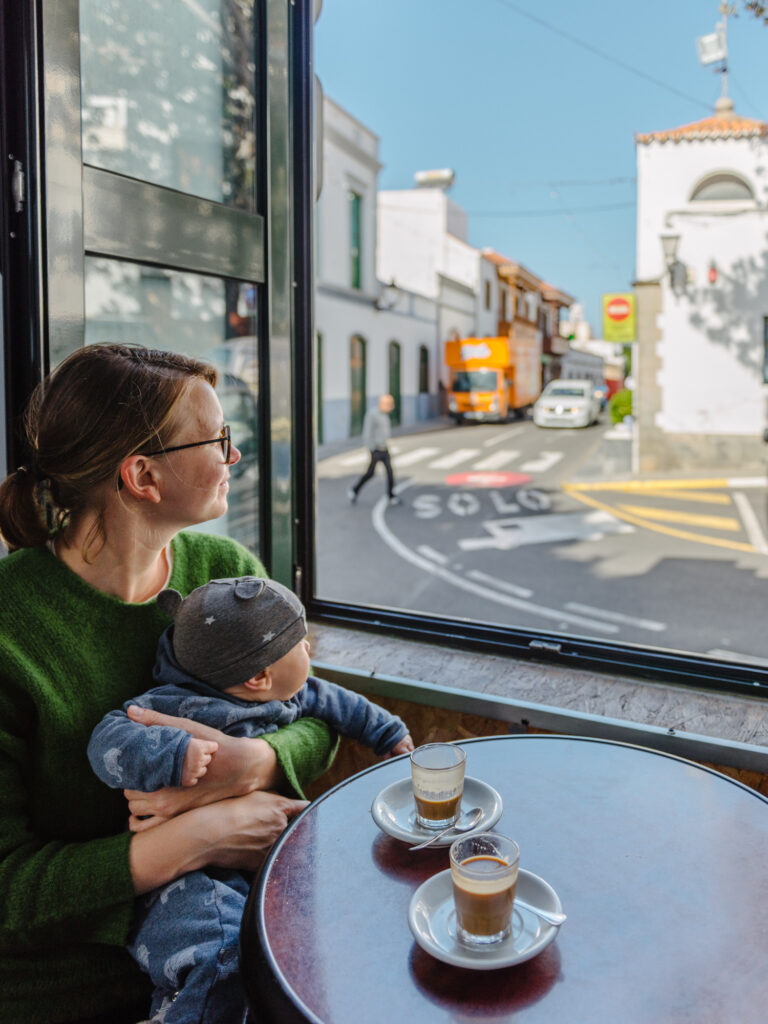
point(230, 630)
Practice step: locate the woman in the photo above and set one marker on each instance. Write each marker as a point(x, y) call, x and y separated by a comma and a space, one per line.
point(128, 448)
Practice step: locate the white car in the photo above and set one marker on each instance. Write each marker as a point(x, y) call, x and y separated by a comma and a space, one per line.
point(567, 403)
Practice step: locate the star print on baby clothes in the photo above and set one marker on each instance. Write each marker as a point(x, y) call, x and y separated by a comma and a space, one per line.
point(267, 637)
point(209, 620)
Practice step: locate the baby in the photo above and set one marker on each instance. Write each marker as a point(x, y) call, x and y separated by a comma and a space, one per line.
point(236, 658)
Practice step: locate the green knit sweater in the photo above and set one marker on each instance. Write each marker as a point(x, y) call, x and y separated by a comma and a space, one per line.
point(69, 654)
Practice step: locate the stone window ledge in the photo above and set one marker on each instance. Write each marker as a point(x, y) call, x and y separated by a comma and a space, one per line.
point(714, 728)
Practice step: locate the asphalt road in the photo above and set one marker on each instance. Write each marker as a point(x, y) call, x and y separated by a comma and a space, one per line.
point(536, 528)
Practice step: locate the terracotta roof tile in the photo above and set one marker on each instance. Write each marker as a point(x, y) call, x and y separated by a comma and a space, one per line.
point(725, 125)
point(496, 258)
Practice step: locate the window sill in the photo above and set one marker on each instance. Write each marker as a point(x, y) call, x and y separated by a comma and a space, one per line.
point(721, 729)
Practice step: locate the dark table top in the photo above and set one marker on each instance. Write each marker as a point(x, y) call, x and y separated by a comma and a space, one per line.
point(661, 866)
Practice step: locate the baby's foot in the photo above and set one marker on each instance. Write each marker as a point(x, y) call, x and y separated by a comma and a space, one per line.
point(196, 760)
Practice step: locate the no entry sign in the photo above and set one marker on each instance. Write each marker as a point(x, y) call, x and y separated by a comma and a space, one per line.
point(619, 319)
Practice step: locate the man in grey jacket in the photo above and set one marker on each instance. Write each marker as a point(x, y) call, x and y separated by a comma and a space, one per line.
point(376, 433)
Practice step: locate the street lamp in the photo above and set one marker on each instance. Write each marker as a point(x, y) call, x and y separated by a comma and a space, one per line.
point(388, 297)
point(677, 270)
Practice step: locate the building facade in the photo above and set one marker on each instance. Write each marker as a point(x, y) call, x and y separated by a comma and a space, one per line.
point(372, 336)
point(702, 293)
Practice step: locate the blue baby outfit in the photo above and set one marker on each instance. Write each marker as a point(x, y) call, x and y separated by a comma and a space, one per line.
point(186, 933)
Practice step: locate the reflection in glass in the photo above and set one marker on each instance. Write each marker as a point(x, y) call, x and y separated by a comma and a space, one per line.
point(168, 94)
point(205, 317)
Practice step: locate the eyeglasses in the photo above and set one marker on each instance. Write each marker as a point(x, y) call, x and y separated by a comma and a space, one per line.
point(225, 440)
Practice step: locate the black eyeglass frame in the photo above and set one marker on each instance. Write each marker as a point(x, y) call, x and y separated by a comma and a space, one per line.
point(224, 439)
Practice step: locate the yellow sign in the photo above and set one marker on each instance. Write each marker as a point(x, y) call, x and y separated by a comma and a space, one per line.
point(619, 317)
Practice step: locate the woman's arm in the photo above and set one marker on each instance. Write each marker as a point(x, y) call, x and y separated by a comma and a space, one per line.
point(231, 833)
point(286, 760)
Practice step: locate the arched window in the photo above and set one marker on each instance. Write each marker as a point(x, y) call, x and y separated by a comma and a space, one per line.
point(722, 186)
point(357, 384)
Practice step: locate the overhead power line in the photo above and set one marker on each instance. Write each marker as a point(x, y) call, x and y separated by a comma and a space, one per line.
point(574, 182)
point(600, 53)
point(563, 212)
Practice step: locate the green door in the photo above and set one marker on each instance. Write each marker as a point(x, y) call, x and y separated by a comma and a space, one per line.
point(394, 381)
point(357, 389)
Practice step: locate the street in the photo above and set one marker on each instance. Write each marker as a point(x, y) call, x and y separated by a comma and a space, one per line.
point(548, 529)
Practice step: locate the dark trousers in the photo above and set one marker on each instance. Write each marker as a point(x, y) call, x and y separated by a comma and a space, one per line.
point(377, 455)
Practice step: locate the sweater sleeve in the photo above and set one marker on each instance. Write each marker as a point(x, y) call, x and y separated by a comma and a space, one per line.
point(304, 751)
point(352, 715)
point(41, 879)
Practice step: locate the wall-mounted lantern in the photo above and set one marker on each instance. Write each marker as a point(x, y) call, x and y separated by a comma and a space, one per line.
point(678, 274)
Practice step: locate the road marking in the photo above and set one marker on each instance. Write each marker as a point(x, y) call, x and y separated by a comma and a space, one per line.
point(575, 491)
point(708, 497)
point(436, 556)
point(510, 588)
point(415, 455)
point(668, 515)
point(751, 525)
point(545, 461)
point(628, 620)
point(505, 435)
point(516, 532)
point(454, 458)
point(748, 659)
point(355, 459)
point(496, 460)
point(420, 562)
point(672, 485)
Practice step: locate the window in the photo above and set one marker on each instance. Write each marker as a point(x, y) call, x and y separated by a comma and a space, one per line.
point(355, 204)
point(722, 186)
point(423, 370)
point(393, 359)
point(590, 540)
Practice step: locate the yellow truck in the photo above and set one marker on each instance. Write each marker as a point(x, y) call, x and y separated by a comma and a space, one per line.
point(492, 378)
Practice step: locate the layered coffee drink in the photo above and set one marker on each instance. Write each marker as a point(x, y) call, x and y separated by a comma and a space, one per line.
point(484, 896)
point(437, 811)
point(484, 869)
point(437, 774)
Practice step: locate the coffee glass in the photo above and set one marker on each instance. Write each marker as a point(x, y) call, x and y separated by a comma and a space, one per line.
point(484, 875)
point(437, 773)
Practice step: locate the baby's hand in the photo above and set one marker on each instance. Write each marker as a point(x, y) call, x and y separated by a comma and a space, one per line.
point(405, 746)
point(196, 760)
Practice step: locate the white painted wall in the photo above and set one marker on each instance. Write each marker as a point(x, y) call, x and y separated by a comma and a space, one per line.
point(712, 335)
point(350, 162)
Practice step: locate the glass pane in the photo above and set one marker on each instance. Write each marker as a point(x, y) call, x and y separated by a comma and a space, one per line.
point(168, 94)
point(628, 504)
point(205, 317)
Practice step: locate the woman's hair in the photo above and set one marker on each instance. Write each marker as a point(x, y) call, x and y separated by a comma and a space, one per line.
point(103, 403)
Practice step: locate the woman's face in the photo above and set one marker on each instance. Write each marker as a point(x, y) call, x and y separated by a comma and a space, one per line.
point(195, 481)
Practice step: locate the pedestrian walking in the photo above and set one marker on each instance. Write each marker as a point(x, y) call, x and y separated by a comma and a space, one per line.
point(377, 429)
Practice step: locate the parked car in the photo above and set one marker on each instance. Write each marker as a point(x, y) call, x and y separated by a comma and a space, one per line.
point(567, 403)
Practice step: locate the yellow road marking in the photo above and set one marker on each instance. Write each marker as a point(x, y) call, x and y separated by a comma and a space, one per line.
point(671, 516)
point(652, 485)
point(577, 491)
point(705, 496)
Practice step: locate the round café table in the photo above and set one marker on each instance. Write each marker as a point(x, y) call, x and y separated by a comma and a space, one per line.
point(661, 866)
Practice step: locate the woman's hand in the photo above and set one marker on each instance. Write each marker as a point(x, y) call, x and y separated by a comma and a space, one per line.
point(240, 766)
point(233, 833)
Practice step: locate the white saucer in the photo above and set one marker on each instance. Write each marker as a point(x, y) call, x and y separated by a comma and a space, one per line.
point(432, 918)
point(394, 811)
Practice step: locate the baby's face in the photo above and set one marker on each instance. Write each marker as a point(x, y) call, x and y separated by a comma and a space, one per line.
point(290, 672)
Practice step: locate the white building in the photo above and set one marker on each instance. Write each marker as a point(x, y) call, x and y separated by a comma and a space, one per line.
point(423, 247)
point(371, 339)
point(702, 290)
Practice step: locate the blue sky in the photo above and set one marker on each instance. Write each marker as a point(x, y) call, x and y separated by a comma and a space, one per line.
point(531, 121)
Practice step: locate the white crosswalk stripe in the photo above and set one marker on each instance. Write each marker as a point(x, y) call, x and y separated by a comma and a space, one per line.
point(416, 455)
point(497, 460)
point(454, 458)
point(545, 461)
point(355, 459)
